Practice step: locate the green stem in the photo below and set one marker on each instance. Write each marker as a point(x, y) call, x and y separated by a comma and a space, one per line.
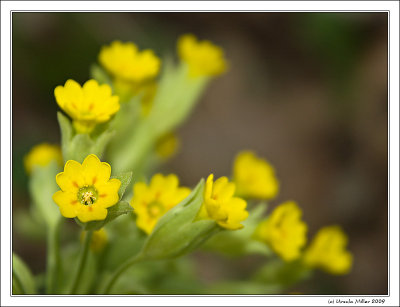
point(119, 271)
point(53, 257)
point(82, 261)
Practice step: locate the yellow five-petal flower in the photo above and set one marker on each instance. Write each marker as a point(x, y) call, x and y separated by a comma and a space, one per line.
point(220, 205)
point(151, 202)
point(87, 105)
point(86, 189)
point(328, 251)
point(284, 231)
point(42, 155)
point(125, 61)
point(203, 57)
point(254, 177)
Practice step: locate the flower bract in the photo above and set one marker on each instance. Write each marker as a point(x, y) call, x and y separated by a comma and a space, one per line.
point(254, 177)
point(328, 251)
point(203, 57)
point(151, 202)
point(88, 105)
point(125, 61)
point(220, 204)
point(284, 231)
point(86, 189)
point(42, 155)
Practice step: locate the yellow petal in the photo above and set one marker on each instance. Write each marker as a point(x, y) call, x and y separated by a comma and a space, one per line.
point(91, 213)
point(67, 203)
point(108, 193)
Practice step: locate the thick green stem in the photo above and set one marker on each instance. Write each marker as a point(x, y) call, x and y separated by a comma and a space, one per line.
point(82, 261)
point(122, 268)
point(53, 257)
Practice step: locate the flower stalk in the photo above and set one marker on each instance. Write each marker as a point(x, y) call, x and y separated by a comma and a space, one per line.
point(82, 261)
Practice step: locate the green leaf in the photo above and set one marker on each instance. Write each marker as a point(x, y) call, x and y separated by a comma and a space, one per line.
point(42, 186)
point(178, 232)
point(66, 133)
point(125, 179)
point(79, 147)
point(241, 242)
point(23, 279)
point(115, 211)
point(282, 273)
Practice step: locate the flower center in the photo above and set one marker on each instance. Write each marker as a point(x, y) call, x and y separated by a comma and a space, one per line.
point(155, 209)
point(87, 195)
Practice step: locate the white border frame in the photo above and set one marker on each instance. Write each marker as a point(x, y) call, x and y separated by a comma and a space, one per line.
point(8, 6)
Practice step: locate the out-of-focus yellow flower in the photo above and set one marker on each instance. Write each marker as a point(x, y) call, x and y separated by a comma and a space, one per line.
point(284, 231)
point(125, 61)
point(87, 105)
point(42, 155)
point(167, 145)
point(151, 202)
point(254, 177)
point(98, 241)
point(328, 251)
point(203, 57)
point(220, 204)
point(86, 189)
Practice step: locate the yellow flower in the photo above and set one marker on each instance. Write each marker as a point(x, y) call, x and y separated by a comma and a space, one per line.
point(284, 231)
point(87, 105)
point(125, 61)
point(220, 205)
point(167, 145)
point(203, 57)
point(42, 155)
point(328, 251)
point(98, 241)
point(151, 202)
point(254, 177)
point(86, 189)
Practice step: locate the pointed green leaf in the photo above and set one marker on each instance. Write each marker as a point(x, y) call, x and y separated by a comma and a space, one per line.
point(66, 133)
point(125, 179)
point(22, 277)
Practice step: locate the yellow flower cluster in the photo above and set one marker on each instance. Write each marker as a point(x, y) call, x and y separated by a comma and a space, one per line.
point(88, 105)
point(254, 177)
point(125, 61)
point(151, 202)
point(42, 155)
point(220, 204)
point(86, 189)
point(328, 251)
point(284, 231)
point(202, 57)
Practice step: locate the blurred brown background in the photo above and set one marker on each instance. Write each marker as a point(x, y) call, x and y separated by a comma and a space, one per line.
point(307, 91)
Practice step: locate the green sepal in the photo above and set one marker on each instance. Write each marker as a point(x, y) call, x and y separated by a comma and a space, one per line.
point(23, 280)
point(77, 147)
point(177, 232)
point(241, 242)
point(125, 179)
point(115, 211)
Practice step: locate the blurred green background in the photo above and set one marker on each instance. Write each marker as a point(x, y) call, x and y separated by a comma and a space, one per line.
point(307, 91)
